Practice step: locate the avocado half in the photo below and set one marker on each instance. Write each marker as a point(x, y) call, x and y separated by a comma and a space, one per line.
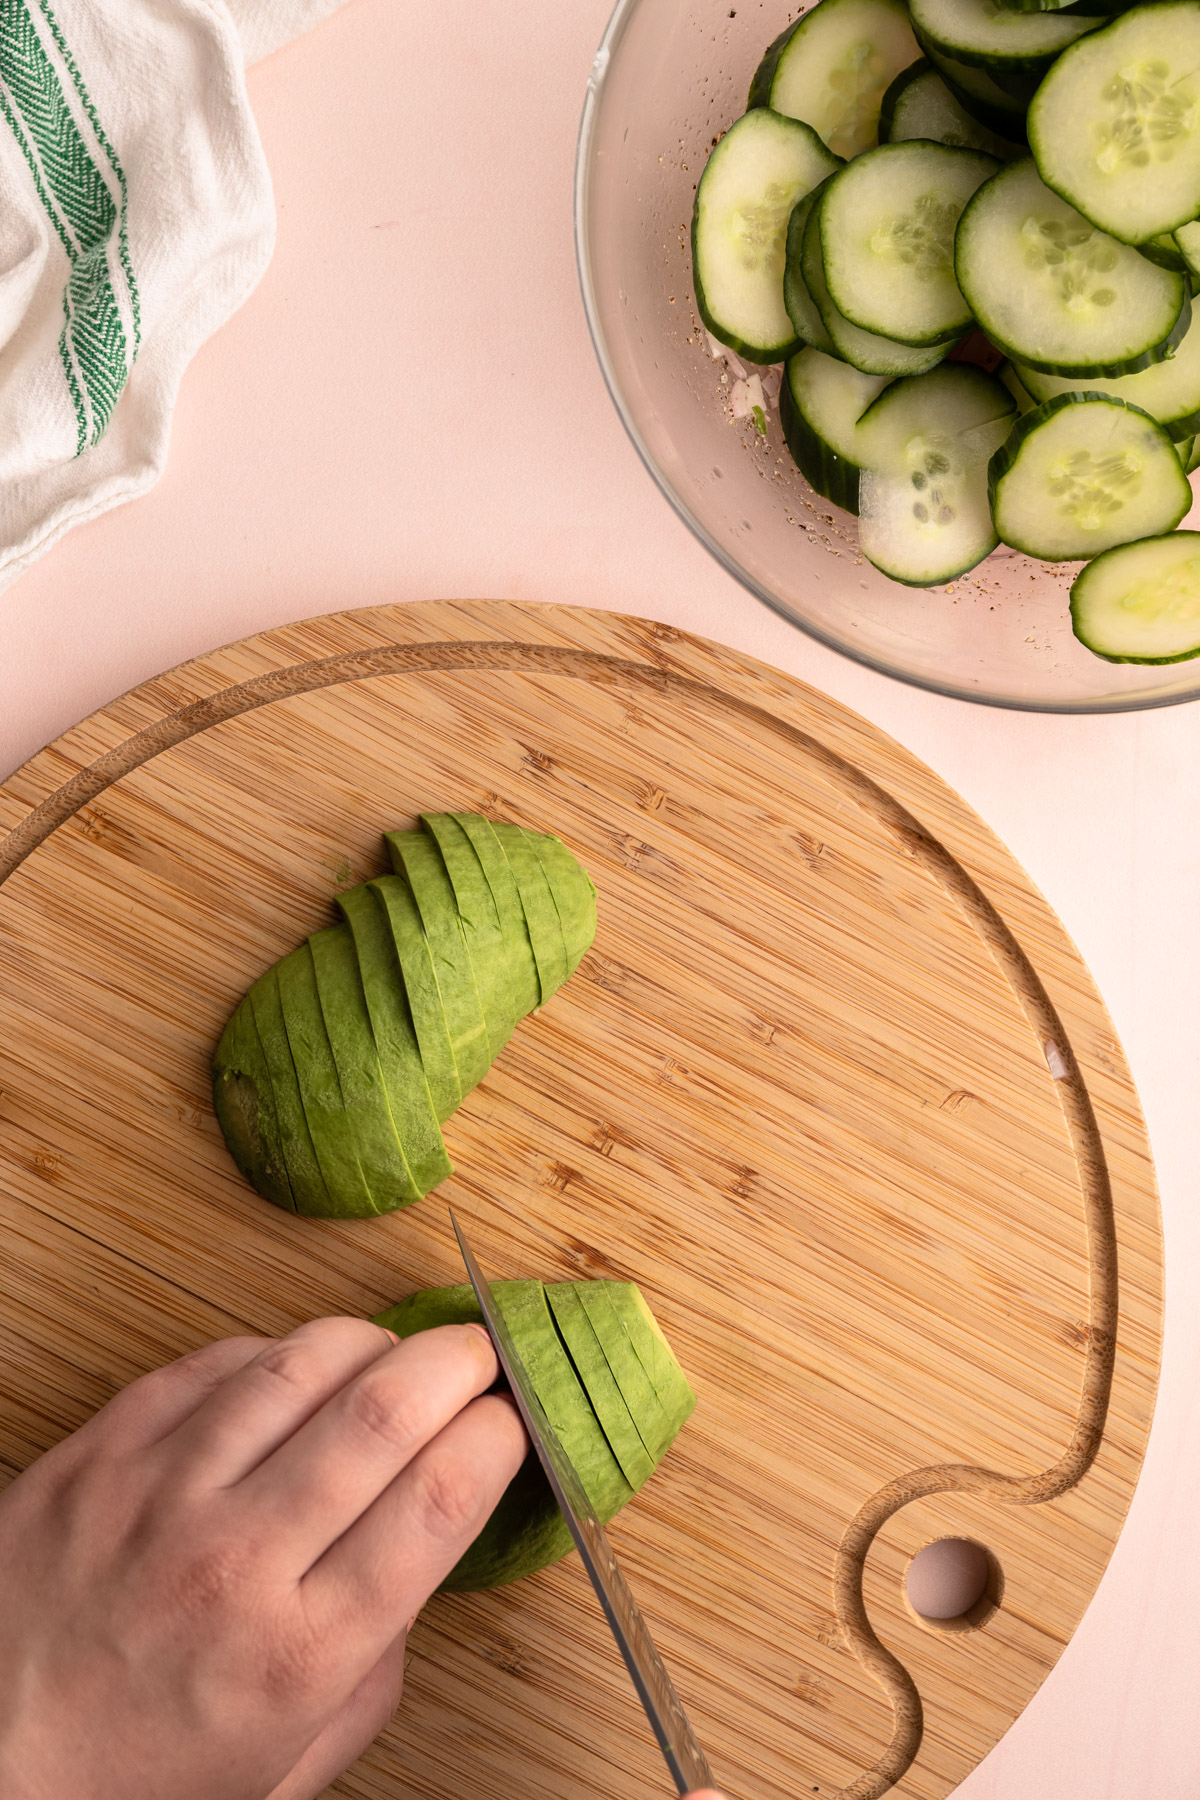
point(336, 1072)
point(598, 1392)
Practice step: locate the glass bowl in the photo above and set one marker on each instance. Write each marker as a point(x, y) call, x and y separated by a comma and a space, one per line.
point(668, 77)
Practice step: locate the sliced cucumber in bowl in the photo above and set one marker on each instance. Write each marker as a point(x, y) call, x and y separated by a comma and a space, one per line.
point(1169, 391)
point(1056, 293)
point(1083, 473)
point(997, 38)
point(887, 223)
point(923, 498)
point(867, 350)
point(1140, 602)
point(820, 404)
point(978, 94)
point(800, 306)
point(1115, 125)
point(745, 196)
point(920, 105)
point(832, 67)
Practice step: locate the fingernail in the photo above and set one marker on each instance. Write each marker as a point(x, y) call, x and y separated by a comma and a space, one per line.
point(390, 1333)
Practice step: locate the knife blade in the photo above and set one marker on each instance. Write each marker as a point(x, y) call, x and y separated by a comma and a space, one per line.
point(655, 1689)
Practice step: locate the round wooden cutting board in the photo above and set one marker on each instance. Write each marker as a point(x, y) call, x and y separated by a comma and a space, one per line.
point(833, 1086)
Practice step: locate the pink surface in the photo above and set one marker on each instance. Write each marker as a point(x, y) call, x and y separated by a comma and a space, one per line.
point(408, 408)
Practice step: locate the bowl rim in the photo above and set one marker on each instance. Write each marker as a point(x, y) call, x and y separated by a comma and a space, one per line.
point(597, 75)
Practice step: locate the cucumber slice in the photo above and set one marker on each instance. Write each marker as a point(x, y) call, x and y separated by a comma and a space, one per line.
point(1140, 603)
point(1193, 461)
point(1115, 126)
point(801, 307)
point(1169, 391)
point(833, 66)
point(993, 37)
point(1164, 251)
point(1082, 473)
point(1056, 293)
point(1089, 8)
point(1185, 450)
point(867, 350)
point(1007, 373)
point(887, 229)
point(925, 444)
point(750, 184)
point(1187, 242)
point(920, 105)
point(820, 403)
point(978, 94)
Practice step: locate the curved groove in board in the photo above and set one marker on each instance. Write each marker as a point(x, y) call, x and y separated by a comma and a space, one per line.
point(445, 657)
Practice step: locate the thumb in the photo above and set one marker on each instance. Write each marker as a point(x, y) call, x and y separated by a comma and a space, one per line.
point(706, 1794)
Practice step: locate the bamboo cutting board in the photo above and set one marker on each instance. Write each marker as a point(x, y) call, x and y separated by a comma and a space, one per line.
point(833, 1086)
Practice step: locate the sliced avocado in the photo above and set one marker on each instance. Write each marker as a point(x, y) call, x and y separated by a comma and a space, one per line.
point(655, 1426)
point(334, 1138)
point(541, 914)
point(591, 1365)
point(420, 985)
point(574, 895)
point(655, 1354)
point(526, 1532)
point(480, 919)
point(304, 1171)
point(395, 1040)
point(364, 1092)
point(415, 855)
point(245, 1108)
point(519, 958)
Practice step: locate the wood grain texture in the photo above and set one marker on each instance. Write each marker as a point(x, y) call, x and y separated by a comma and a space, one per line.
point(833, 1086)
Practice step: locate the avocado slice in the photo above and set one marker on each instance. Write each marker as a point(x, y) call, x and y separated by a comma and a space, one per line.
point(574, 895)
point(364, 1093)
point(541, 914)
point(655, 1424)
point(415, 855)
point(400, 1063)
point(591, 1365)
point(334, 1138)
point(304, 1171)
point(519, 958)
point(652, 1349)
point(420, 985)
point(245, 1108)
point(526, 1532)
point(480, 918)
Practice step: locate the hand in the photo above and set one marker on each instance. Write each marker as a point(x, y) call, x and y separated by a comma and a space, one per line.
point(207, 1589)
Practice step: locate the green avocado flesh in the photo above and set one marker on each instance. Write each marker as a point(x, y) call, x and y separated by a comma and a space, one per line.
point(304, 1171)
point(520, 964)
point(527, 1532)
point(334, 1075)
point(537, 903)
point(416, 856)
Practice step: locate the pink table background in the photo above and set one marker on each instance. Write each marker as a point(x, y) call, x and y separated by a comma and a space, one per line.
point(408, 408)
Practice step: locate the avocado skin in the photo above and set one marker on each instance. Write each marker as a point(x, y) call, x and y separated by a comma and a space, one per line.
point(526, 1532)
point(244, 1102)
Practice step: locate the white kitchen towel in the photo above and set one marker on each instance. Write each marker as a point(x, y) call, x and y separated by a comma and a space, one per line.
point(136, 215)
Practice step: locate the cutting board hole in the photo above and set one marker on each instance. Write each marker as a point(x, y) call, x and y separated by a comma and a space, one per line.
point(953, 1584)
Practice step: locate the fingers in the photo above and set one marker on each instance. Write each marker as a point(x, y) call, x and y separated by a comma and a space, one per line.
point(351, 1729)
point(148, 1408)
point(387, 1564)
point(258, 1408)
point(317, 1483)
